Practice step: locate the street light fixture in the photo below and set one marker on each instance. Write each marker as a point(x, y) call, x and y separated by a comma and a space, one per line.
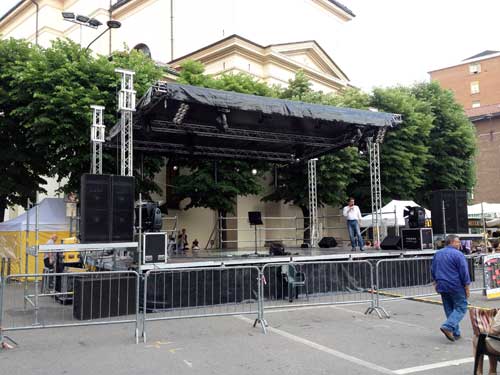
point(82, 21)
point(112, 24)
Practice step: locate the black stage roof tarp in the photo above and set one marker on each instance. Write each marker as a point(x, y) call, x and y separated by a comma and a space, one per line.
point(182, 120)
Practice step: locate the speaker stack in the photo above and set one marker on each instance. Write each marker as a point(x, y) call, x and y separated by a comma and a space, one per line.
point(455, 205)
point(107, 208)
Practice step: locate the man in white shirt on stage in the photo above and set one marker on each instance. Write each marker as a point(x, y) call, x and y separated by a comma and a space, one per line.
point(353, 215)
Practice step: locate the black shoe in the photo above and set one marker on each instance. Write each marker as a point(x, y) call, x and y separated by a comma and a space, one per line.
point(448, 334)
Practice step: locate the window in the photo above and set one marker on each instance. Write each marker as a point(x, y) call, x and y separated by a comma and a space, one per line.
point(475, 68)
point(474, 87)
point(476, 104)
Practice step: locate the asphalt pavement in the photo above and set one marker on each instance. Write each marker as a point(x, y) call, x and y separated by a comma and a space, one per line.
point(313, 340)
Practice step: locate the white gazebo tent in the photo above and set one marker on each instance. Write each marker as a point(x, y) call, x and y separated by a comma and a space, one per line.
point(51, 219)
point(392, 214)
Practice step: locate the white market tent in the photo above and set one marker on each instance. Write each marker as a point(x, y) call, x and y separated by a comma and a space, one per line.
point(393, 214)
point(51, 220)
point(51, 217)
point(489, 210)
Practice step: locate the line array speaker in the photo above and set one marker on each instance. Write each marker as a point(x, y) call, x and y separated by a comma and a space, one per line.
point(107, 208)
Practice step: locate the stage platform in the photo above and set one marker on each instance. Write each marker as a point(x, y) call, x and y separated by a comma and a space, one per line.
point(238, 257)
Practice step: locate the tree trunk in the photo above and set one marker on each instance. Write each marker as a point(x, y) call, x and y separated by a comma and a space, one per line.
point(3, 206)
point(307, 230)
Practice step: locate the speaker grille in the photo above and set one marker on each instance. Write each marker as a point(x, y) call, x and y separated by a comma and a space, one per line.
point(455, 205)
point(107, 208)
point(95, 208)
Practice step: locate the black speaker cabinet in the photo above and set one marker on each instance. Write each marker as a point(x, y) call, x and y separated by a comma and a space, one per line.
point(95, 208)
point(255, 218)
point(455, 205)
point(417, 239)
point(391, 243)
point(107, 208)
point(103, 296)
point(123, 209)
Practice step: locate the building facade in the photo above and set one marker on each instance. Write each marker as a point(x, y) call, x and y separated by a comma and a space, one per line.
point(476, 85)
point(226, 36)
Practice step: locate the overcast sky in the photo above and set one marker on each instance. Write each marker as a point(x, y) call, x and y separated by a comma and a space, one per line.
point(392, 42)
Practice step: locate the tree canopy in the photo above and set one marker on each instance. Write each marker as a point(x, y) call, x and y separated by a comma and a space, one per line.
point(44, 131)
point(46, 105)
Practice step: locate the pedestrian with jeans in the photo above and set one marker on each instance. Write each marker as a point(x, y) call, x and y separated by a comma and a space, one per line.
point(353, 215)
point(451, 279)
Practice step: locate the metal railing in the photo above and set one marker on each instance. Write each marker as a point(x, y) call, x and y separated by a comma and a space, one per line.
point(201, 292)
point(318, 283)
point(99, 298)
point(407, 278)
point(69, 299)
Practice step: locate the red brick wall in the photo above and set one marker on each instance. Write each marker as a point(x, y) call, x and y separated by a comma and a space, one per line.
point(487, 188)
point(458, 79)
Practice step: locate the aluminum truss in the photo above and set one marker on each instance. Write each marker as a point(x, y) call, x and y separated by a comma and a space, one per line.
point(375, 183)
point(97, 137)
point(208, 151)
point(313, 202)
point(126, 105)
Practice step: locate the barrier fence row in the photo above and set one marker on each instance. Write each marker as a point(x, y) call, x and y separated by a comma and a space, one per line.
point(52, 300)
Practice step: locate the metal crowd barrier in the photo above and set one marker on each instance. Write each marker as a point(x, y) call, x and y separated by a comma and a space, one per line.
point(69, 300)
point(99, 298)
point(318, 283)
point(406, 278)
point(201, 292)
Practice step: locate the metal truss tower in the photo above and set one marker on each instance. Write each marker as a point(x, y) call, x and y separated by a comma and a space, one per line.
point(313, 202)
point(97, 137)
point(375, 183)
point(126, 105)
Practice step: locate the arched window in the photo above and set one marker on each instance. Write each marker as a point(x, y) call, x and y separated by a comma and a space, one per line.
point(144, 49)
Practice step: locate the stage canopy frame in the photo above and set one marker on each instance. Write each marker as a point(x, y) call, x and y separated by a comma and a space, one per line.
point(180, 120)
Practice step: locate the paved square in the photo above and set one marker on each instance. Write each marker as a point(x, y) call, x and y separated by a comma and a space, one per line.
point(313, 340)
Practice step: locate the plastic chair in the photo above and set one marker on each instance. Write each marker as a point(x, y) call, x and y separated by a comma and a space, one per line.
point(482, 350)
point(295, 280)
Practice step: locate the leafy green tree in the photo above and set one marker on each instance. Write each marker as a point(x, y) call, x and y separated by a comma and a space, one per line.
point(404, 152)
point(202, 185)
point(335, 172)
point(451, 142)
point(63, 82)
point(21, 162)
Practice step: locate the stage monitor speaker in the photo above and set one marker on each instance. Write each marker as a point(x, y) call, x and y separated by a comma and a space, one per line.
point(255, 218)
point(416, 217)
point(123, 209)
point(95, 211)
point(391, 243)
point(327, 242)
point(276, 249)
point(106, 208)
point(455, 205)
